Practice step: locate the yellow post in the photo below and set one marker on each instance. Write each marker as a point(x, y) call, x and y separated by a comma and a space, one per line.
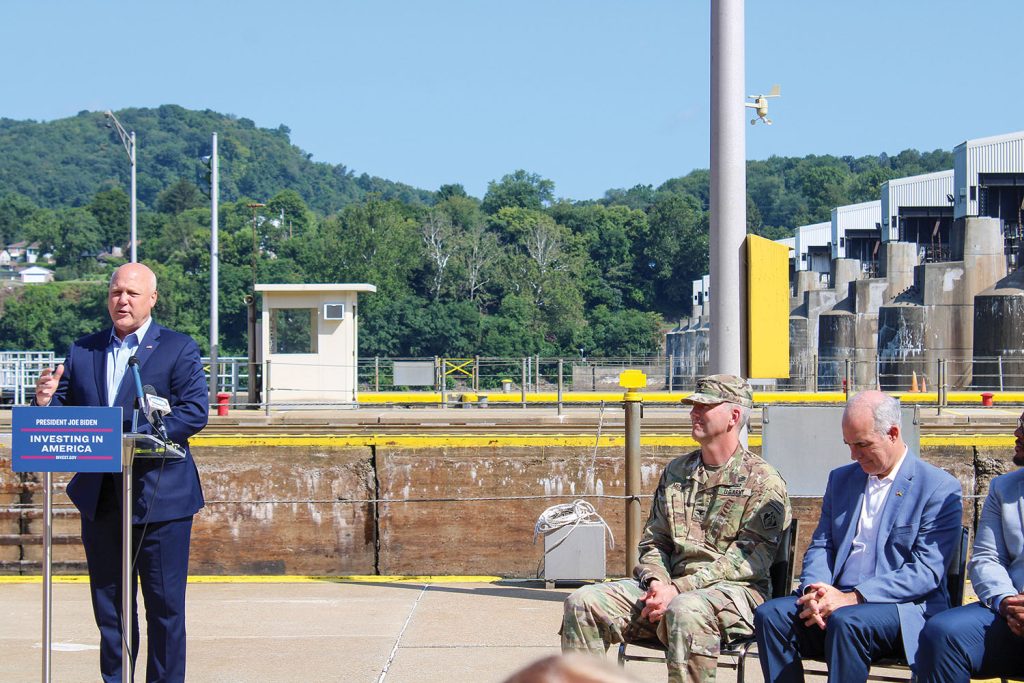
point(631, 381)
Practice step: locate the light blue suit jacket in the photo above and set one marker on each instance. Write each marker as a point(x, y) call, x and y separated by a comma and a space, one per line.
point(997, 563)
point(917, 534)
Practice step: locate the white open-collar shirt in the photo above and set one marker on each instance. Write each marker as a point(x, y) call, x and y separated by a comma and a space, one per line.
point(860, 565)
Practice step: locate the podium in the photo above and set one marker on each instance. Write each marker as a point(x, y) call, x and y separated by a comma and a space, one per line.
point(83, 439)
point(134, 446)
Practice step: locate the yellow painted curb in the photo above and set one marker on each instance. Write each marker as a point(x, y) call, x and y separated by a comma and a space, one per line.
point(968, 440)
point(496, 396)
point(377, 398)
point(354, 578)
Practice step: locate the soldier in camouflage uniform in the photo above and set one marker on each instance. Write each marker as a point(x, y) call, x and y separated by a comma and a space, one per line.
point(717, 518)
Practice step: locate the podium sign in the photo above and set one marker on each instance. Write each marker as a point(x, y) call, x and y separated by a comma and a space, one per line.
point(65, 439)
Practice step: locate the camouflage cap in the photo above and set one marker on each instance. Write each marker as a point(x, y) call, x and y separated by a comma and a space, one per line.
point(722, 389)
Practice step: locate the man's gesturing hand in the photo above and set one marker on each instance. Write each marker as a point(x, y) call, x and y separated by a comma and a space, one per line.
point(47, 383)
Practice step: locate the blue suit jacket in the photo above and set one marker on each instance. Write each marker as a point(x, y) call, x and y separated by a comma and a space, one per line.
point(997, 563)
point(170, 362)
point(918, 531)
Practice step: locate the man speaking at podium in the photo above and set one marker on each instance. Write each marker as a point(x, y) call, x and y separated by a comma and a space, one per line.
point(166, 493)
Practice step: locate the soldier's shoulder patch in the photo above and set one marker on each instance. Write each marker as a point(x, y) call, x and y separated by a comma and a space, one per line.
point(772, 516)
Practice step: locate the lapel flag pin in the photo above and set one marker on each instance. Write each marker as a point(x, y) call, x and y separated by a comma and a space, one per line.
point(899, 493)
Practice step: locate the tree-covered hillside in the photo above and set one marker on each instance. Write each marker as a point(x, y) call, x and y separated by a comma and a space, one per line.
point(515, 272)
point(65, 162)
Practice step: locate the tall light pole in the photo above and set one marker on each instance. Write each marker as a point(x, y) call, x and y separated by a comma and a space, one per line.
point(250, 302)
point(128, 140)
point(214, 270)
point(728, 190)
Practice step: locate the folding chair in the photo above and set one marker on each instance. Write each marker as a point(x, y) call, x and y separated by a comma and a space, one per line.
point(781, 573)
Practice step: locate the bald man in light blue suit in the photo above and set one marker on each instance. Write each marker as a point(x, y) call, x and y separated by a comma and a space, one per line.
point(986, 639)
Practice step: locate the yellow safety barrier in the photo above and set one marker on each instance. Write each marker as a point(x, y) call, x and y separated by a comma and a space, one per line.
point(924, 398)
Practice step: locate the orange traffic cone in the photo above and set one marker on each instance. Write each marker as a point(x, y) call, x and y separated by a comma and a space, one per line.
point(913, 383)
point(924, 385)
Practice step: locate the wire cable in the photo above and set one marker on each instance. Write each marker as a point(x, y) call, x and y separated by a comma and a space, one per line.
point(569, 514)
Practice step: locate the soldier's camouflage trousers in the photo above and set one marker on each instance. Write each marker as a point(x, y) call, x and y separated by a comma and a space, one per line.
point(692, 629)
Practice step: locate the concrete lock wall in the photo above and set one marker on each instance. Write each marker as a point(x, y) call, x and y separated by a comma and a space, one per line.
point(297, 509)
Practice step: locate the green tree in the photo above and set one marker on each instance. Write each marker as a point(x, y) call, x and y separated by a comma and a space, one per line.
point(181, 196)
point(51, 316)
point(624, 332)
point(608, 235)
point(44, 227)
point(518, 190)
point(376, 242)
point(673, 253)
point(823, 182)
point(637, 197)
point(514, 330)
point(81, 237)
point(112, 210)
point(294, 217)
point(16, 210)
point(446, 192)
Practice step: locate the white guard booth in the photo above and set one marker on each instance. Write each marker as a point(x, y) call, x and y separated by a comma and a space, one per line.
point(310, 338)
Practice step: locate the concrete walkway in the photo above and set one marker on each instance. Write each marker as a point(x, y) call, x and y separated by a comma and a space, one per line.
point(321, 631)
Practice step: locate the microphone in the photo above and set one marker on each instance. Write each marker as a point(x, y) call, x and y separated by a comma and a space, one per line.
point(140, 396)
point(156, 407)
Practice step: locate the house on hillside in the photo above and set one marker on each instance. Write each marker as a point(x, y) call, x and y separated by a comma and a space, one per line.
point(36, 274)
point(22, 252)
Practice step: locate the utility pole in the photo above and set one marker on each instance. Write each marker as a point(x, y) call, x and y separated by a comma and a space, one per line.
point(728, 341)
point(128, 141)
point(214, 271)
point(254, 390)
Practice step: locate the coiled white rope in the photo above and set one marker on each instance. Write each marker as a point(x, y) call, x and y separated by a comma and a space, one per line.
point(569, 514)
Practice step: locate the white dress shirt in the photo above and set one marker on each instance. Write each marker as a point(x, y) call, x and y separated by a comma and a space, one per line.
point(118, 353)
point(860, 565)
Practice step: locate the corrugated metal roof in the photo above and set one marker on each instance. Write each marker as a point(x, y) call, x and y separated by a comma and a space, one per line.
point(925, 190)
point(806, 236)
point(991, 140)
point(995, 154)
point(863, 216)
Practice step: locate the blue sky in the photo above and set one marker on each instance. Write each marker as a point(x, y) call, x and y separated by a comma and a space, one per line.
point(593, 94)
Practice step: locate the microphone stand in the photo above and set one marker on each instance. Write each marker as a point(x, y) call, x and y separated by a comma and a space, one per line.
point(141, 445)
point(127, 544)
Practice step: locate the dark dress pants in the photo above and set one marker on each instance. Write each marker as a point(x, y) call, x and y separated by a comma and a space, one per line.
point(969, 641)
point(854, 637)
point(161, 566)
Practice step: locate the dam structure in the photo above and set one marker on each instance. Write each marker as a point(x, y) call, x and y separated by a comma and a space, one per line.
point(918, 289)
